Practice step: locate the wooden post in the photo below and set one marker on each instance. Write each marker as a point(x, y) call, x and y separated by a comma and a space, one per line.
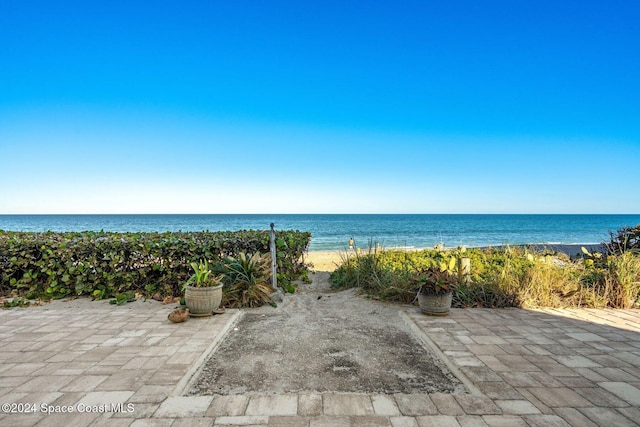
point(464, 269)
point(274, 264)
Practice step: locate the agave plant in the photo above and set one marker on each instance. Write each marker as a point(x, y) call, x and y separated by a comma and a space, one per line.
point(247, 280)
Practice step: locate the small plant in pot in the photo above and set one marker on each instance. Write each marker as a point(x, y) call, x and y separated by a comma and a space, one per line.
point(203, 290)
point(434, 288)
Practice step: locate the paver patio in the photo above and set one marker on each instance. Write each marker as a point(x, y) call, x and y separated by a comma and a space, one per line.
point(525, 368)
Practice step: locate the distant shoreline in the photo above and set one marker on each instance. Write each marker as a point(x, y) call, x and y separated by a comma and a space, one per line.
point(570, 249)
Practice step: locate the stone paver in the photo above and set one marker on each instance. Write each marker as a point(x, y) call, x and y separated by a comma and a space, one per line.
point(183, 407)
point(446, 404)
point(574, 417)
point(517, 407)
point(504, 421)
point(545, 421)
point(403, 422)
point(310, 405)
point(415, 404)
point(288, 421)
point(624, 391)
point(228, 406)
point(384, 405)
point(437, 421)
point(477, 405)
point(608, 417)
point(370, 421)
point(559, 397)
point(273, 405)
point(546, 367)
point(347, 404)
point(245, 420)
point(330, 421)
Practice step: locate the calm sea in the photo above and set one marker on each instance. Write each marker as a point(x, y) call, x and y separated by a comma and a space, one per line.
point(332, 232)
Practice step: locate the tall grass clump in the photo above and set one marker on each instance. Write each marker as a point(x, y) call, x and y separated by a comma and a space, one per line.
point(386, 275)
point(622, 280)
point(550, 283)
point(496, 275)
point(375, 274)
point(505, 277)
point(246, 280)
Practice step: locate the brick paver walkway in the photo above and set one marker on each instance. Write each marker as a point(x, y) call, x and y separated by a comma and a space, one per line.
point(524, 368)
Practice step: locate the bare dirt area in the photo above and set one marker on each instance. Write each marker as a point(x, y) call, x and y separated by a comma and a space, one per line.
point(319, 340)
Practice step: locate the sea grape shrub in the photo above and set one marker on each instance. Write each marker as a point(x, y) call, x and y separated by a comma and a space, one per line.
point(103, 264)
point(623, 240)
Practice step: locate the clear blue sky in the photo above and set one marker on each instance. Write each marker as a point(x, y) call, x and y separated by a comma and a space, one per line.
point(319, 107)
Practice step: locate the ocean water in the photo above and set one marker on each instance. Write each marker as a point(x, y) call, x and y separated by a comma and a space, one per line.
point(332, 232)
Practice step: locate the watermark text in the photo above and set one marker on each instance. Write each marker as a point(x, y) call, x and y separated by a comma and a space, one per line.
point(81, 408)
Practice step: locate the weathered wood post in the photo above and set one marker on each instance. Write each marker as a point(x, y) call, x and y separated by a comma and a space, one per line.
point(464, 269)
point(274, 264)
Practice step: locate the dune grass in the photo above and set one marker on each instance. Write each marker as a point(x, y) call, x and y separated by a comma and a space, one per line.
point(509, 277)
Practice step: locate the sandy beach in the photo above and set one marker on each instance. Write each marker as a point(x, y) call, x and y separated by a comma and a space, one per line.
point(325, 260)
point(330, 260)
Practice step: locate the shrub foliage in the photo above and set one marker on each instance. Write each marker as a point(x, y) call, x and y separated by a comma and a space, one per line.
point(623, 240)
point(508, 277)
point(247, 280)
point(103, 264)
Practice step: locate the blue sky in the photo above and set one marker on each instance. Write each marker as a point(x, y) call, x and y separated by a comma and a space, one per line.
point(319, 107)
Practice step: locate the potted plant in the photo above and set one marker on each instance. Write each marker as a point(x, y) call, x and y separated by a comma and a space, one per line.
point(203, 290)
point(435, 288)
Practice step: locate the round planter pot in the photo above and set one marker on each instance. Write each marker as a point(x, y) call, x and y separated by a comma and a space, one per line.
point(435, 305)
point(202, 301)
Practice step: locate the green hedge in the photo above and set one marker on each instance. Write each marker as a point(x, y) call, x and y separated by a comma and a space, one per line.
point(103, 264)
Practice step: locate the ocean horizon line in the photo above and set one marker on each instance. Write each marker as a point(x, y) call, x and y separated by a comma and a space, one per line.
point(321, 213)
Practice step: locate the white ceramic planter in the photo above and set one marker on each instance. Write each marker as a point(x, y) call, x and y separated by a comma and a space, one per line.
point(202, 301)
